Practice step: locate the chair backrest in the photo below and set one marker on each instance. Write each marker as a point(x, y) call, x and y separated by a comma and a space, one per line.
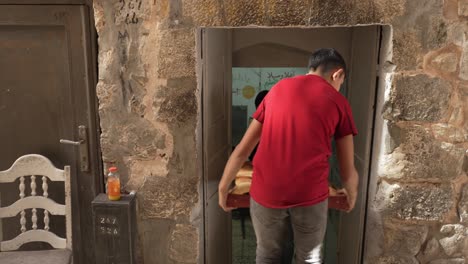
point(41, 169)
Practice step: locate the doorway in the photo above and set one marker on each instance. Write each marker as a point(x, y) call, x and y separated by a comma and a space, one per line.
point(232, 61)
point(48, 76)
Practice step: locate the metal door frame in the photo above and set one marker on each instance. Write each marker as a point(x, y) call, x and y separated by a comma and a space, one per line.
point(200, 147)
point(200, 144)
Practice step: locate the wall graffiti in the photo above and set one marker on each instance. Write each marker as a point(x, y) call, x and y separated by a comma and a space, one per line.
point(128, 10)
point(247, 82)
point(273, 78)
point(123, 35)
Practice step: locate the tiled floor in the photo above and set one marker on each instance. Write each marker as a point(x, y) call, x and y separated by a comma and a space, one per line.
point(243, 250)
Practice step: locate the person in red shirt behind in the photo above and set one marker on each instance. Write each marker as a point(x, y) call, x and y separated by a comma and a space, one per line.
point(296, 122)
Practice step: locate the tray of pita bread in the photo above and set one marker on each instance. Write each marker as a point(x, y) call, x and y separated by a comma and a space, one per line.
point(239, 197)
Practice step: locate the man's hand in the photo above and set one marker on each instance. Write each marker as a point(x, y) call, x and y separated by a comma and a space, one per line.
point(222, 198)
point(348, 174)
point(237, 158)
point(351, 197)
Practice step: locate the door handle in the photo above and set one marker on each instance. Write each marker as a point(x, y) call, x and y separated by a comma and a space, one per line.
point(69, 142)
point(82, 143)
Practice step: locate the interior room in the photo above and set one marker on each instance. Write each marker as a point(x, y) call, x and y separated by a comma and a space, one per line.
point(260, 57)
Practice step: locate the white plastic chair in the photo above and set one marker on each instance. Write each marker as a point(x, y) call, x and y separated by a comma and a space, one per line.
point(39, 169)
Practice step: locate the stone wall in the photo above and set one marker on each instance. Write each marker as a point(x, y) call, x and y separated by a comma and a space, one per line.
point(420, 200)
point(148, 106)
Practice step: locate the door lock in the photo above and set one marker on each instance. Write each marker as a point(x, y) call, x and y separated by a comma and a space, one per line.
point(82, 143)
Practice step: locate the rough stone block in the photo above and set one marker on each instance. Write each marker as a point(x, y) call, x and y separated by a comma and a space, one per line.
point(451, 9)
point(457, 117)
point(433, 35)
point(331, 12)
point(136, 137)
point(176, 101)
point(463, 8)
point(394, 138)
point(169, 197)
point(420, 98)
point(464, 92)
point(463, 88)
point(404, 239)
point(420, 157)
point(176, 57)
point(463, 205)
point(464, 62)
point(203, 12)
point(365, 12)
point(407, 50)
point(183, 245)
point(445, 62)
point(334, 12)
point(396, 260)
point(182, 162)
point(388, 11)
point(286, 13)
point(154, 234)
point(356, 12)
point(162, 10)
point(428, 158)
point(431, 251)
point(455, 242)
point(457, 32)
point(243, 13)
point(449, 133)
point(448, 261)
point(424, 202)
point(432, 247)
point(99, 16)
point(424, 21)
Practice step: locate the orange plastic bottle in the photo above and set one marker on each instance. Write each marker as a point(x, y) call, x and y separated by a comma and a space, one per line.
point(113, 184)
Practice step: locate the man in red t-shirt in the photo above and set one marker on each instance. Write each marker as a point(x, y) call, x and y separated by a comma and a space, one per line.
point(296, 122)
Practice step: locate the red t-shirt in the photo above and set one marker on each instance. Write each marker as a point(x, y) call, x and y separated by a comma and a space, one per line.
point(300, 115)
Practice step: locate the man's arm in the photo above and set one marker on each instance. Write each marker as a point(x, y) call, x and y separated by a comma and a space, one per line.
point(237, 159)
point(348, 173)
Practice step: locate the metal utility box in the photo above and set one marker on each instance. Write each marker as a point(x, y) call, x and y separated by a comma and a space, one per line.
point(114, 229)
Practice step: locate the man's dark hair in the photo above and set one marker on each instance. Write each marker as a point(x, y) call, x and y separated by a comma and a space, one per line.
point(260, 97)
point(327, 59)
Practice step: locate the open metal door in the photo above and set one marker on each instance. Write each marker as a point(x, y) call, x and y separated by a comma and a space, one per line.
point(361, 96)
point(216, 104)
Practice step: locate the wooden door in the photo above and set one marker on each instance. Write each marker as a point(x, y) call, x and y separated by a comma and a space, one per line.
point(47, 90)
point(216, 103)
point(361, 94)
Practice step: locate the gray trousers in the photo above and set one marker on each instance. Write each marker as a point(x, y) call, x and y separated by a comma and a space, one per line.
point(272, 227)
